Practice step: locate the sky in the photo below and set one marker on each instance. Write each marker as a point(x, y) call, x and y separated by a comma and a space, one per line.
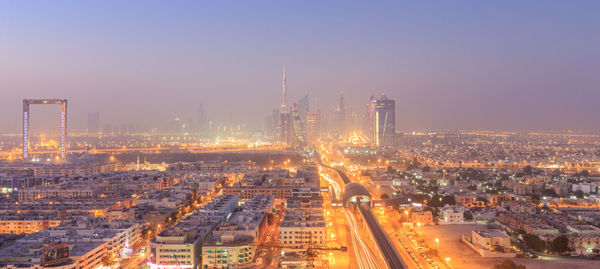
point(486, 65)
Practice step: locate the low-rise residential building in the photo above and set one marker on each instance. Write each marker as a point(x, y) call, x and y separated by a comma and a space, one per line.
point(246, 193)
point(176, 247)
point(453, 214)
point(304, 223)
point(584, 244)
point(422, 217)
point(89, 240)
point(27, 223)
point(583, 229)
point(540, 229)
point(303, 228)
point(520, 207)
point(38, 192)
point(490, 243)
point(181, 244)
point(228, 250)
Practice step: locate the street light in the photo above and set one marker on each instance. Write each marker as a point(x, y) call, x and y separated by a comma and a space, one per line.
point(447, 260)
point(437, 241)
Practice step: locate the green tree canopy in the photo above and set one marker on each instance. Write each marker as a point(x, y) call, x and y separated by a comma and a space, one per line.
point(508, 264)
point(559, 244)
point(534, 242)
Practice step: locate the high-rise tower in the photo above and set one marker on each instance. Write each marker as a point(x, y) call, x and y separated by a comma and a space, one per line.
point(341, 115)
point(312, 127)
point(285, 119)
point(283, 94)
point(384, 121)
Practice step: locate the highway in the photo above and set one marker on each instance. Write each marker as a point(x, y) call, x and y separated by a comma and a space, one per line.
point(365, 258)
point(389, 252)
point(391, 255)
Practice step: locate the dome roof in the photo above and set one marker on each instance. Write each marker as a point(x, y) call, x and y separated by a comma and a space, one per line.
point(354, 189)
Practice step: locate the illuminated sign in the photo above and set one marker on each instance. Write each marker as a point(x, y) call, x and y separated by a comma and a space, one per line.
point(55, 254)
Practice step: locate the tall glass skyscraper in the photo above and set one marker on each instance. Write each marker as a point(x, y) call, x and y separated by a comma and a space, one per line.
point(384, 120)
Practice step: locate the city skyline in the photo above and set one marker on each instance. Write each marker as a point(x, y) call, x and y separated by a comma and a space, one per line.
point(512, 66)
point(267, 134)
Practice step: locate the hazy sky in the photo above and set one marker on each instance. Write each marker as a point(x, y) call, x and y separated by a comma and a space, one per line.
point(448, 64)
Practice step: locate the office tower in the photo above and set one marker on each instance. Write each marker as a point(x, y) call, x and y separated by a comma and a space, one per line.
point(275, 123)
point(303, 107)
point(341, 116)
point(312, 128)
point(271, 125)
point(93, 123)
point(297, 126)
point(384, 121)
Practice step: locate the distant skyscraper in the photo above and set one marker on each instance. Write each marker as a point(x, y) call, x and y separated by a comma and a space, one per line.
point(202, 120)
point(303, 107)
point(271, 125)
point(312, 128)
point(297, 126)
point(285, 120)
point(275, 123)
point(93, 122)
point(341, 116)
point(107, 128)
point(384, 121)
point(368, 126)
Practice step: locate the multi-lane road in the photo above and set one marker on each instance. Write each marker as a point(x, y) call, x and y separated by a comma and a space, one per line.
point(365, 257)
point(389, 252)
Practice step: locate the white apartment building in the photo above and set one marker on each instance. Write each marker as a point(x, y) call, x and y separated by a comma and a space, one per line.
point(453, 214)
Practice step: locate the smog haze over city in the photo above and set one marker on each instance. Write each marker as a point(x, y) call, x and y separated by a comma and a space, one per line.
point(299, 134)
point(466, 65)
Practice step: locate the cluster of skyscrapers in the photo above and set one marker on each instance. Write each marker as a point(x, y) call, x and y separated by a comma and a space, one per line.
point(300, 124)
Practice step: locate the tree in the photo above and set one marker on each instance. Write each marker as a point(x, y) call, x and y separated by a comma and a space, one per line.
point(534, 242)
point(468, 215)
point(549, 192)
point(508, 264)
point(579, 194)
point(528, 170)
point(559, 244)
point(439, 201)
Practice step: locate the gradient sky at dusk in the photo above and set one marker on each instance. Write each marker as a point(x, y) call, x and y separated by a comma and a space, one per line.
point(449, 64)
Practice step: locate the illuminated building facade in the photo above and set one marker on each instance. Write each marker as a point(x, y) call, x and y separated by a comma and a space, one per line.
point(285, 117)
point(384, 120)
point(285, 127)
point(16, 225)
point(246, 193)
point(340, 116)
point(297, 127)
point(312, 127)
point(63, 123)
